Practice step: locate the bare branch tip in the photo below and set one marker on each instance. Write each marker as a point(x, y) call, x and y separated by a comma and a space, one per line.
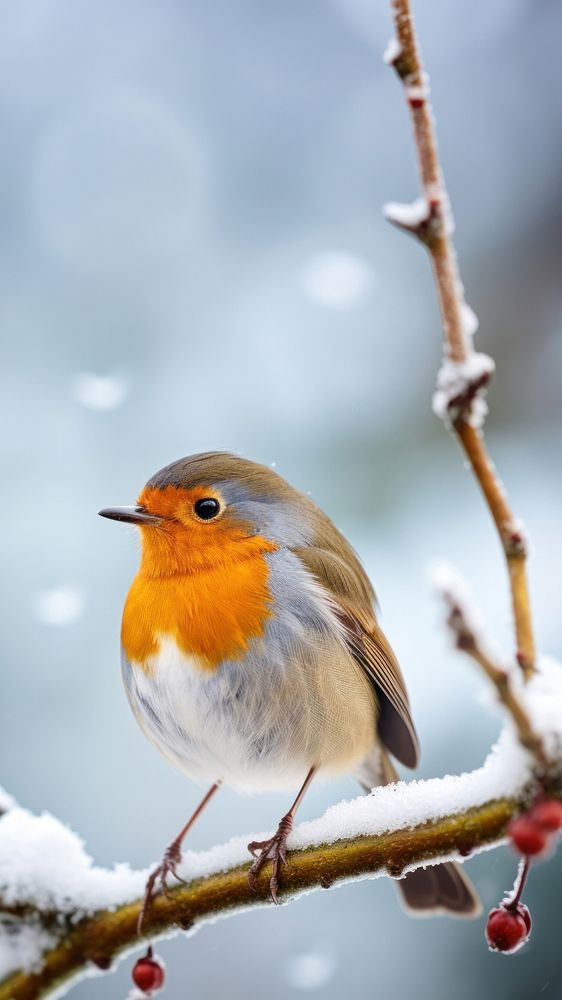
point(421, 218)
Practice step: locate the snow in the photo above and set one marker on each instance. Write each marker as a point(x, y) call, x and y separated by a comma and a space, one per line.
point(42, 862)
point(413, 214)
point(6, 801)
point(392, 52)
point(449, 224)
point(469, 319)
point(416, 93)
point(410, 215)
point(21, 947)
point(457, 380)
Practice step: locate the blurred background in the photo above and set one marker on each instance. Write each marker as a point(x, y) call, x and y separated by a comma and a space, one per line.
point(193, 257)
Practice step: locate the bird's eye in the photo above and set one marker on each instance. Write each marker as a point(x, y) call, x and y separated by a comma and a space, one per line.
point(207, 508)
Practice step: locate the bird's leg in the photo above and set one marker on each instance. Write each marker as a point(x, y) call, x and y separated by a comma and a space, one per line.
point(275, 850)
point(171, 859)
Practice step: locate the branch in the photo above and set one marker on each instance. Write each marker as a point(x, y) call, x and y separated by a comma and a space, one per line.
point(465, 630)
point(83, 916)
point(98, 940)
point(464, 374)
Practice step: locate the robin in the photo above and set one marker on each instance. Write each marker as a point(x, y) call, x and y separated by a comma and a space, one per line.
point(252, 655)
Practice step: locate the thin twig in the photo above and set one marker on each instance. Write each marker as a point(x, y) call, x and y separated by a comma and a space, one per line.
point(527, 735)
point(466, 638)
point(513, 898)
point(434, 230)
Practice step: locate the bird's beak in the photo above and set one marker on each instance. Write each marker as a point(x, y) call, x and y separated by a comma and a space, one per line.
point(132, 515)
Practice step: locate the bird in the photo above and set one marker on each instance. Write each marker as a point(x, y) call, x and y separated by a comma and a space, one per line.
point(252, 655)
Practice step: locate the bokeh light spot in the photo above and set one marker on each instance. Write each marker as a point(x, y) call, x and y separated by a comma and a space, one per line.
point(310, 971)
point(337, 279)
point(59, 605)
point(99, 392)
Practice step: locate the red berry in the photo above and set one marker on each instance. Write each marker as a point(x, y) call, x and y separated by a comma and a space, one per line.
point(527, 836)
point(507, 930)
point(148, 973)
point(547, 814)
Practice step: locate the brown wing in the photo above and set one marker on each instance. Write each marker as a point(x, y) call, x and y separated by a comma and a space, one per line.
point(338, 569)
point(372, 650)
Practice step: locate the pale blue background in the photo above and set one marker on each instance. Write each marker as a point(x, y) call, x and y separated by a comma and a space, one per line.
point(168, 172)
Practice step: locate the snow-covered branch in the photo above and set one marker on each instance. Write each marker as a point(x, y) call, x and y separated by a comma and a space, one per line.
point(464, 375)
point(61, 916)
point(465, 627)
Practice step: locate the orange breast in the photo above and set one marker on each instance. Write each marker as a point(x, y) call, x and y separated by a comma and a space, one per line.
point(212, 614)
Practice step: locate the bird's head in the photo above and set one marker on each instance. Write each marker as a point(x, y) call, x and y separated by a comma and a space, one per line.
point(208, 509)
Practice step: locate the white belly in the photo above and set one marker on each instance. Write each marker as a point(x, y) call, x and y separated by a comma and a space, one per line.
point(261, 722)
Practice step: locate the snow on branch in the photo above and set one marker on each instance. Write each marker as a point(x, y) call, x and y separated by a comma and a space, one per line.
point(419, 218)
point(459, 395)
point(61, 917)
point(464, 375)
point(464, 624)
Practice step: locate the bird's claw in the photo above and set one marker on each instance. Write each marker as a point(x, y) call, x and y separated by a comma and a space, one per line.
point(168, 866)
point(274, 850)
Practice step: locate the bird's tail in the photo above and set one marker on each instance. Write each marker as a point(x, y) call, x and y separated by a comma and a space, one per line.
point(425, 892)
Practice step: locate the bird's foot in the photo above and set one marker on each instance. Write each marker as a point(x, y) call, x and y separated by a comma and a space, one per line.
point(157, 881)
point(274, 850)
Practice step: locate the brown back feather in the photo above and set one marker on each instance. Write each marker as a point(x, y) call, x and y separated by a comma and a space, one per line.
point(337, 568)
